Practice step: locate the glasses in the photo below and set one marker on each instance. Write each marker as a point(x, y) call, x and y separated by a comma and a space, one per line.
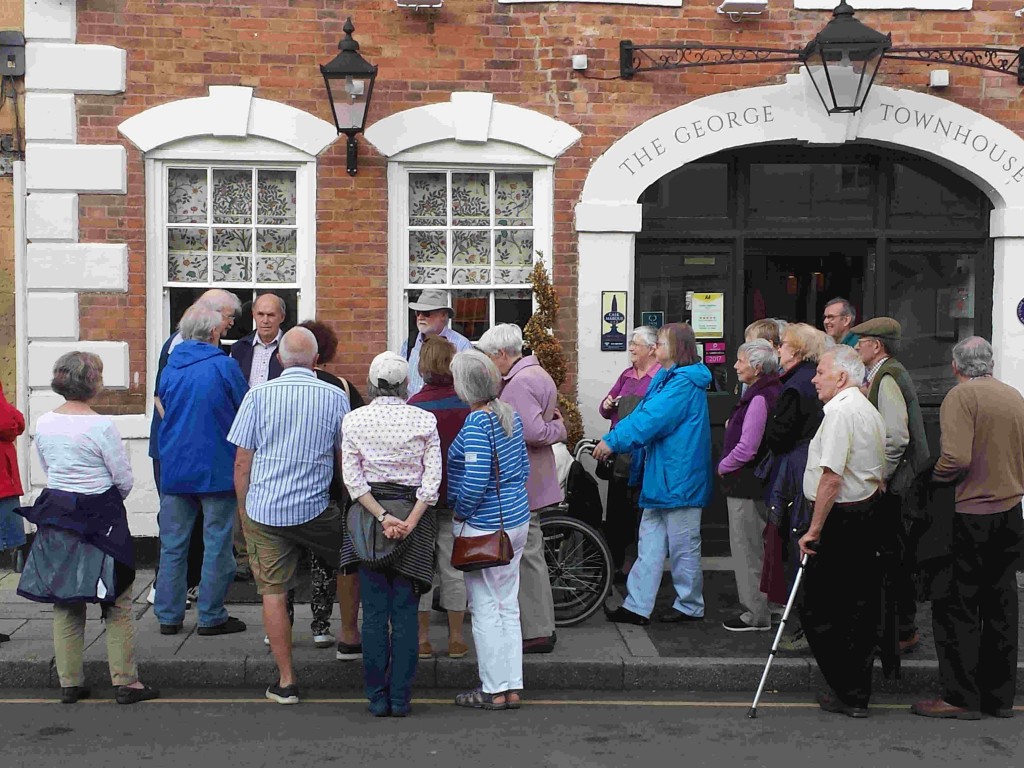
point(425, 312)
point(834, 317)
point(639, 344)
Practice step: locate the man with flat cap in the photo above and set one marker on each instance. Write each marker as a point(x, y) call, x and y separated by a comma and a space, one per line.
point(890, 389)
point(433, 311)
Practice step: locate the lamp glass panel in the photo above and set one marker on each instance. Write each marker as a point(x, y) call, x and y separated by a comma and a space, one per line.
point(348, 94)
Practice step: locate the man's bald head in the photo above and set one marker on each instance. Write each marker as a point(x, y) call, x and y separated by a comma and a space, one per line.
point(298, 349)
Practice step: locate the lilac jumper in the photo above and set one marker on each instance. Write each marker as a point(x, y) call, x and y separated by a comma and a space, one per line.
point(628, 383)
point(750, 438)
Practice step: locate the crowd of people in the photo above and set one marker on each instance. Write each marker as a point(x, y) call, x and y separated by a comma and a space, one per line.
point(263, 458)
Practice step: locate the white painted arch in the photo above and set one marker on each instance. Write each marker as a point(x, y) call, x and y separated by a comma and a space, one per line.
point(608, 215)
point(229, 112)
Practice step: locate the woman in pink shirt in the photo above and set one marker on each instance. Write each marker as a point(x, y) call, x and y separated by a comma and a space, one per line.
point(622, 517)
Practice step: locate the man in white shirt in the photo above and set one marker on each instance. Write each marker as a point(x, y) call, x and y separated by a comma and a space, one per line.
point(842, 598)
point(433, 312)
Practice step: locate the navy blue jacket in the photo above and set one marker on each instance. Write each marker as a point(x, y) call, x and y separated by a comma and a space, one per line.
point(201, 389)
point(241, 351)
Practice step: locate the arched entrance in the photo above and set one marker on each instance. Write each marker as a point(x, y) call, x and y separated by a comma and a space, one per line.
point(808, 207)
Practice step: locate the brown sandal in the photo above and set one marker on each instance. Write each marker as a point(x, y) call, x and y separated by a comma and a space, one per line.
point(477, 699)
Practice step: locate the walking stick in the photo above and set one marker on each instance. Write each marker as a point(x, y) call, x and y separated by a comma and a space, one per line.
point(752, 713)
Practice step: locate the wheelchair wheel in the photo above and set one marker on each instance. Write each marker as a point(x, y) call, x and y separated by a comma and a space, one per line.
point(579, 566)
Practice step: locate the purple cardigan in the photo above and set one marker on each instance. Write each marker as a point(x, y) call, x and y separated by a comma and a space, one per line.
point(532, 393)
point(628, 384)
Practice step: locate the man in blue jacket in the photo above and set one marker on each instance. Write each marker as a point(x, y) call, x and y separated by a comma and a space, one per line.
point(200, 389)
point(669, 434)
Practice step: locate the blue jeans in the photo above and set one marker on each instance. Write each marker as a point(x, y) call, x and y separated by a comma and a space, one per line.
point(389, 662)
point(177, 515)
point(675, 533)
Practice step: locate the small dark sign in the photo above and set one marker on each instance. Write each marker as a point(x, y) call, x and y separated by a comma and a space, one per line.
point(613, 320)
point(653, 319)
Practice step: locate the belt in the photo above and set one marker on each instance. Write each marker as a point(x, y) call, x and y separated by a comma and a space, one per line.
point(854, 506)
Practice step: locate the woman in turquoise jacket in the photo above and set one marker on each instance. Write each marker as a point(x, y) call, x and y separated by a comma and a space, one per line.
point(670, 433)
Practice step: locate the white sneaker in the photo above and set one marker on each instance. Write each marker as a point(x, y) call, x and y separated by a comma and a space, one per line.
point(324, 641)
point(266, 641)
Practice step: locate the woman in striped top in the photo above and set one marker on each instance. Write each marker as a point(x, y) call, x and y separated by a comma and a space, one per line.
point(490, 452)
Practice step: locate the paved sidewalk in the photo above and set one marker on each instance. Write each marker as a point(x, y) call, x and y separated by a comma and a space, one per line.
point(595, 655)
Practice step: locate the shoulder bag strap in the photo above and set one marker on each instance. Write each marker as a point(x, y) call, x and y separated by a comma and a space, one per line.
point(497, 473)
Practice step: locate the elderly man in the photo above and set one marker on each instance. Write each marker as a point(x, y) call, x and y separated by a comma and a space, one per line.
point(200, 389)
point(891, 390)
point(842, 597)
point(229, 307)
point(433, 312)
point(839, 317)
point(288, 433)
point(975, 623)
point(255, 352)
point(531, 391)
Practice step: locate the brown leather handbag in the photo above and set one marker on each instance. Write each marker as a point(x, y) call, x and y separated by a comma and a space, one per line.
point(474, 553)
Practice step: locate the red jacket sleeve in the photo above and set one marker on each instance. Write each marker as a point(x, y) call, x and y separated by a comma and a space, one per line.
point(12, 423)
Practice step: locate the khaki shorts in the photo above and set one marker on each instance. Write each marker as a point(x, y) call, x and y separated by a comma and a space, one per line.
point(274, 551)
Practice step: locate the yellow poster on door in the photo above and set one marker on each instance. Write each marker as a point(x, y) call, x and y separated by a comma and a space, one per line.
point(707, 315)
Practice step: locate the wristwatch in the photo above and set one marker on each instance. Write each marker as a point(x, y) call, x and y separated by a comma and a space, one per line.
point(380, 517)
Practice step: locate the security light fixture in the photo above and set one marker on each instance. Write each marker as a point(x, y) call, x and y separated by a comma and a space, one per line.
point(737, 10)
point(349, 79)
point(842, 59)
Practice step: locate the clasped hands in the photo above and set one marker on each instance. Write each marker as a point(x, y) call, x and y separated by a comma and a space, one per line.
point(395, 528)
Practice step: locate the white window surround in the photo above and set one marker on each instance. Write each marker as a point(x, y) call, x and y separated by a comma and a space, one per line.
point(227, 127)
point(470, 132)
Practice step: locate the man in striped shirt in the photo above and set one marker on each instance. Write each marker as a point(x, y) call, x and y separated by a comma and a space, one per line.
point(288, 433)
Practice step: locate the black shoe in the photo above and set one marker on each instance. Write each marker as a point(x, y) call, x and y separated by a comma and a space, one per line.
point(622, 615)
point(672, 616)
point(4, 638)
point(830, 703)
point(126, 695)
point(998, 711)
point(288, 694)
point(403, 711)
point(170, 629)
point(229, 627)
point(73, 693)
point(349, 652)
point(539, 645)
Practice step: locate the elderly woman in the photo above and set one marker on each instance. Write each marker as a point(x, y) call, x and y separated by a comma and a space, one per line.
point(622, 518)
point(672, 428)
point(791, 425)
point(83, 531)
point(756, 367)
point(438, 396)
point(391, 464)
point(487, 468)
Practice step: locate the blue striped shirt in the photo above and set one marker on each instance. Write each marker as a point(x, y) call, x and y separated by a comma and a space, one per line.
point(293, 424)
point(472, 493)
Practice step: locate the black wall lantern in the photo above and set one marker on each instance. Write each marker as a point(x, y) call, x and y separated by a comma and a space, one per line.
point(842, 59)
point(349, 79)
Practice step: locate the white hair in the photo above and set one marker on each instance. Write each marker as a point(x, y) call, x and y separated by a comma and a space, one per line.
point(477, 380)
point(848, 359)
point(298, 348)
point(973, 357)
point(647, 334)
point(504, 337)
point(760, 356)
point(219, 299)
point(199, 323)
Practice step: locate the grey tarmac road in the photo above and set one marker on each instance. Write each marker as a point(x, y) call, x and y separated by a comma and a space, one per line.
point(238, 729)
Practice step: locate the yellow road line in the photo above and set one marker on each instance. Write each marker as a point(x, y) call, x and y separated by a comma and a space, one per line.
point(528, 702)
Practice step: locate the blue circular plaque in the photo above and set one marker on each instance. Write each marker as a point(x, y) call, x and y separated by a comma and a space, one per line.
point(1020, 311)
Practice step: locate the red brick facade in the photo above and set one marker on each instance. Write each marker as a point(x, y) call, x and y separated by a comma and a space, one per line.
point(521, 54)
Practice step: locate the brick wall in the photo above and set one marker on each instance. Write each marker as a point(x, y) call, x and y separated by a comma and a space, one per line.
point(519, 53)
point(11, 17)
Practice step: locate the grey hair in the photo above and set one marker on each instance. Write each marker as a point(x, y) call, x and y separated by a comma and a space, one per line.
point(477, 380)
point(504, 337)
point(77, 376)
point(848, 359)
point(761, 356)
point(298, 348)
point(280, 303)
point(647, 334)
point(847, 308)
point(973, 357)
point(782, 326)
point(199, 323)
point(219, 299)
point(398, 390)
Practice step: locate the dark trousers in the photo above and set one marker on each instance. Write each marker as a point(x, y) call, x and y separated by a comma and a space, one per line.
point(841, 601)
point(622, 520)
point(976, 624)
point(195, 544)
point(389, 659)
